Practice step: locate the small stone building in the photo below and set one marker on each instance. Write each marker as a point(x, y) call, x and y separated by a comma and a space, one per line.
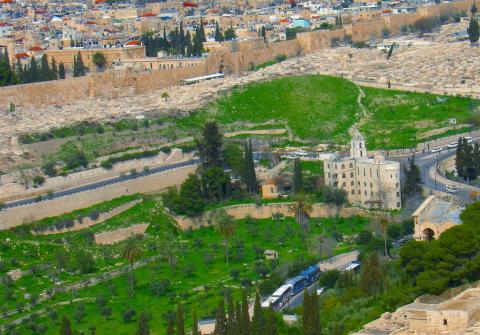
point(434, 216)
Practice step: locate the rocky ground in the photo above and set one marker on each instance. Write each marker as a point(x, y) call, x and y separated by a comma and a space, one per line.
point(435, 63)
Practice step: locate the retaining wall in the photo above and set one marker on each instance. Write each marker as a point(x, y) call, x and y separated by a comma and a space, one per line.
point(12, 217)
point(268, 210)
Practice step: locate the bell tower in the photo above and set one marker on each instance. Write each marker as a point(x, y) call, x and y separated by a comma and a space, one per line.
point(357, 146)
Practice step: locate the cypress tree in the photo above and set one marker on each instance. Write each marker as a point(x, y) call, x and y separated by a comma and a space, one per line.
point(476, 160)
point(61, 71)
point(249, 176)
point(188, 43)
point(238, 318)
point(20, 73)
point(231, 317)
point(180, 321)
point(170, 330)
point(44, 68)
point(218, 33)
point(473, 30)
point(143, 328)
point(78, 66)
point(54, 70)
point(181, 39)
point(297, 176)
point(33, 73)
point(271, 322)
point(220, 320)
point(195, 324)
point(7, 74)
point(244, 323)
point(258, 320)
point(66, 327)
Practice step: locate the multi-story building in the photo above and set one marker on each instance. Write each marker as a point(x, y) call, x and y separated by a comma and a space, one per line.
point(369, 182)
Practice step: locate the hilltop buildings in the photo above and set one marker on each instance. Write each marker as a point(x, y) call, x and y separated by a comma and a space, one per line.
point(369, 182)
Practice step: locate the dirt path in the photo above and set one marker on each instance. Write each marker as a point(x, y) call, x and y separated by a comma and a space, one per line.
point(364, 113)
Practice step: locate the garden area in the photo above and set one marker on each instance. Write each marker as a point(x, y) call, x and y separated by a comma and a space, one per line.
point(186, 267)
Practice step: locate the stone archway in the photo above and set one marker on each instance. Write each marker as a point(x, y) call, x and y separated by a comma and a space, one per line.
point(428, 234)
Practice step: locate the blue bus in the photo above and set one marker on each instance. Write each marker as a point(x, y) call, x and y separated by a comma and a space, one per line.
point(312, 273)
point(298, 284)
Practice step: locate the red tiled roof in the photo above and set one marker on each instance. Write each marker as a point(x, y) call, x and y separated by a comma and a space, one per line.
point(189, 4)
point(22, 55)
point(148, 15)
point(91, 22)
point(133, 43)
point(6, 1)
point(35, 48)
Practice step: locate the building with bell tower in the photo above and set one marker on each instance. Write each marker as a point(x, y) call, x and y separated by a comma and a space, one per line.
point(357, 146)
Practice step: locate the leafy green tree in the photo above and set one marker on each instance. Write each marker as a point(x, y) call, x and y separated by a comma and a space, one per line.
point(230, 34)
point(165, 96)
point(371, 279)
point(297, 176)
point(225, 226)
point(66, 328)
point(210, 145)
point(84, 261)
point(99, 59)
point(216, 184)
point(473, 30)
point(233, 156)
point(191, 201)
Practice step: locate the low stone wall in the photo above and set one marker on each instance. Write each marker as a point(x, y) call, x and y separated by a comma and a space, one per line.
point(87, 221)
point(17, 216)
point(268, 210)
point(114, 236)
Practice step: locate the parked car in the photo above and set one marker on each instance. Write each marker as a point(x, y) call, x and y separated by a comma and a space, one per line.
point(436, 149)
point(452, 145)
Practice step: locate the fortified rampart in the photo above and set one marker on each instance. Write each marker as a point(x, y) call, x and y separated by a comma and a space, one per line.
point(235, 57)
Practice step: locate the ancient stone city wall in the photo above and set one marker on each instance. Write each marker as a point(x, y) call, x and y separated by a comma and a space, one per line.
point(157, 182)
point(237, 57)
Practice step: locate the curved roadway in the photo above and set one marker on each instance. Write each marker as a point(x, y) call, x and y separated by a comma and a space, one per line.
point(99, 184)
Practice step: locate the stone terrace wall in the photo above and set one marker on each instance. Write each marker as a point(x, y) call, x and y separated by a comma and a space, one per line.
point(268, 210)
point(12, 217)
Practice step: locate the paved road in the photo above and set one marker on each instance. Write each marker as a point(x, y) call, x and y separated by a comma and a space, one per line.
point(99, 184)
point(427, 161)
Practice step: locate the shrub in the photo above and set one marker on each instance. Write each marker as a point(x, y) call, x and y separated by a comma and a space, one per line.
point(128, 315)
point(159, 287)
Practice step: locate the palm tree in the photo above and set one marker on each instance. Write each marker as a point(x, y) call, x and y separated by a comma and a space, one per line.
point(226, 227)
point(165, 96)
point(131, 252)
point(302, 209)
point(384, 225)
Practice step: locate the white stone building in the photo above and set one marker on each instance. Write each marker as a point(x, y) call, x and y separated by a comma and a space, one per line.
point(369, 182)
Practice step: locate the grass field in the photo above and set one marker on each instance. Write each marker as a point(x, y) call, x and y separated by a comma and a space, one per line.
point(401, 118)
point(321, 109)
point(196, 282)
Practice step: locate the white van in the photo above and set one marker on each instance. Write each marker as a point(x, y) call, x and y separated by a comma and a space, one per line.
point(451, 189)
